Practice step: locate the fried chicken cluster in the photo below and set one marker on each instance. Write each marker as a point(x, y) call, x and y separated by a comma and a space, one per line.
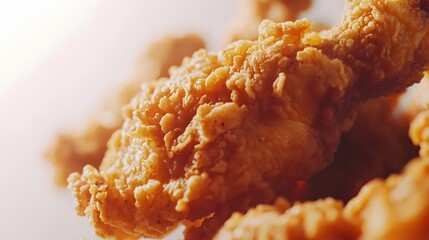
point(292, 113)
point(395, 208)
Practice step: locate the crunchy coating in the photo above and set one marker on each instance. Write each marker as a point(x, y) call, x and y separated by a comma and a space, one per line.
point(395, 208)
point(70, 152)
point(245, 26)
point(252, 12)
point(322, 219)
point(246, 120)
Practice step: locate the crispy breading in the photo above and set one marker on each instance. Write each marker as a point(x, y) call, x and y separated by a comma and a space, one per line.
point(71, 151)
point(245, 120)
point(245, 26)
point(395, 208)
point(322, 219)
point(252, 12)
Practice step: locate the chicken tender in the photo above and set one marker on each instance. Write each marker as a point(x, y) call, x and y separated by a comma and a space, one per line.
point(245, 26)
point(249, 120)
point(72, 151)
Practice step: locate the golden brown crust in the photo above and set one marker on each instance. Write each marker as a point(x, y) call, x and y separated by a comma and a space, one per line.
point(322, 219)
point(72, 151)
point(252, 12)
point(245, 26)
point(240, 122)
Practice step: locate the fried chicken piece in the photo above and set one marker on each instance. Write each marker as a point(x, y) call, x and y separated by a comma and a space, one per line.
point(396, 208)
point(248, 119)
point(245, 26)
point(72, 151)
point(322, 219)
point(252, 12)
point(375, 147)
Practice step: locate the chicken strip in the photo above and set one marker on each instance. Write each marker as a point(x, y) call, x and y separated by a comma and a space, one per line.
point(252, 12)
point(248, 120)
point(72, 151)
point(245, 26)
point(396, 208)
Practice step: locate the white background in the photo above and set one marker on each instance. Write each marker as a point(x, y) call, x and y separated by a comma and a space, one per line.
point(58, 60)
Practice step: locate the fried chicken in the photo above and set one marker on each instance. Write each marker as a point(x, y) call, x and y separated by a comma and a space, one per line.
point(322, 219)
point(396, 208)
point(72, 151)
point(252, 12)
point(245, 26)
point(375, 147)
point(248, 121)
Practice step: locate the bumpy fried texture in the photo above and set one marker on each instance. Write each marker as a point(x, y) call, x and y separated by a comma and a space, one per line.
point(252, 12)
point(323, 219)
point(248, 120)
point(396, 208)
point(376, 146)
point(245, 26)
point(72, 151)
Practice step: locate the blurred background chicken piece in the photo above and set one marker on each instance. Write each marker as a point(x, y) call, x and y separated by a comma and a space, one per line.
point(72, 151)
